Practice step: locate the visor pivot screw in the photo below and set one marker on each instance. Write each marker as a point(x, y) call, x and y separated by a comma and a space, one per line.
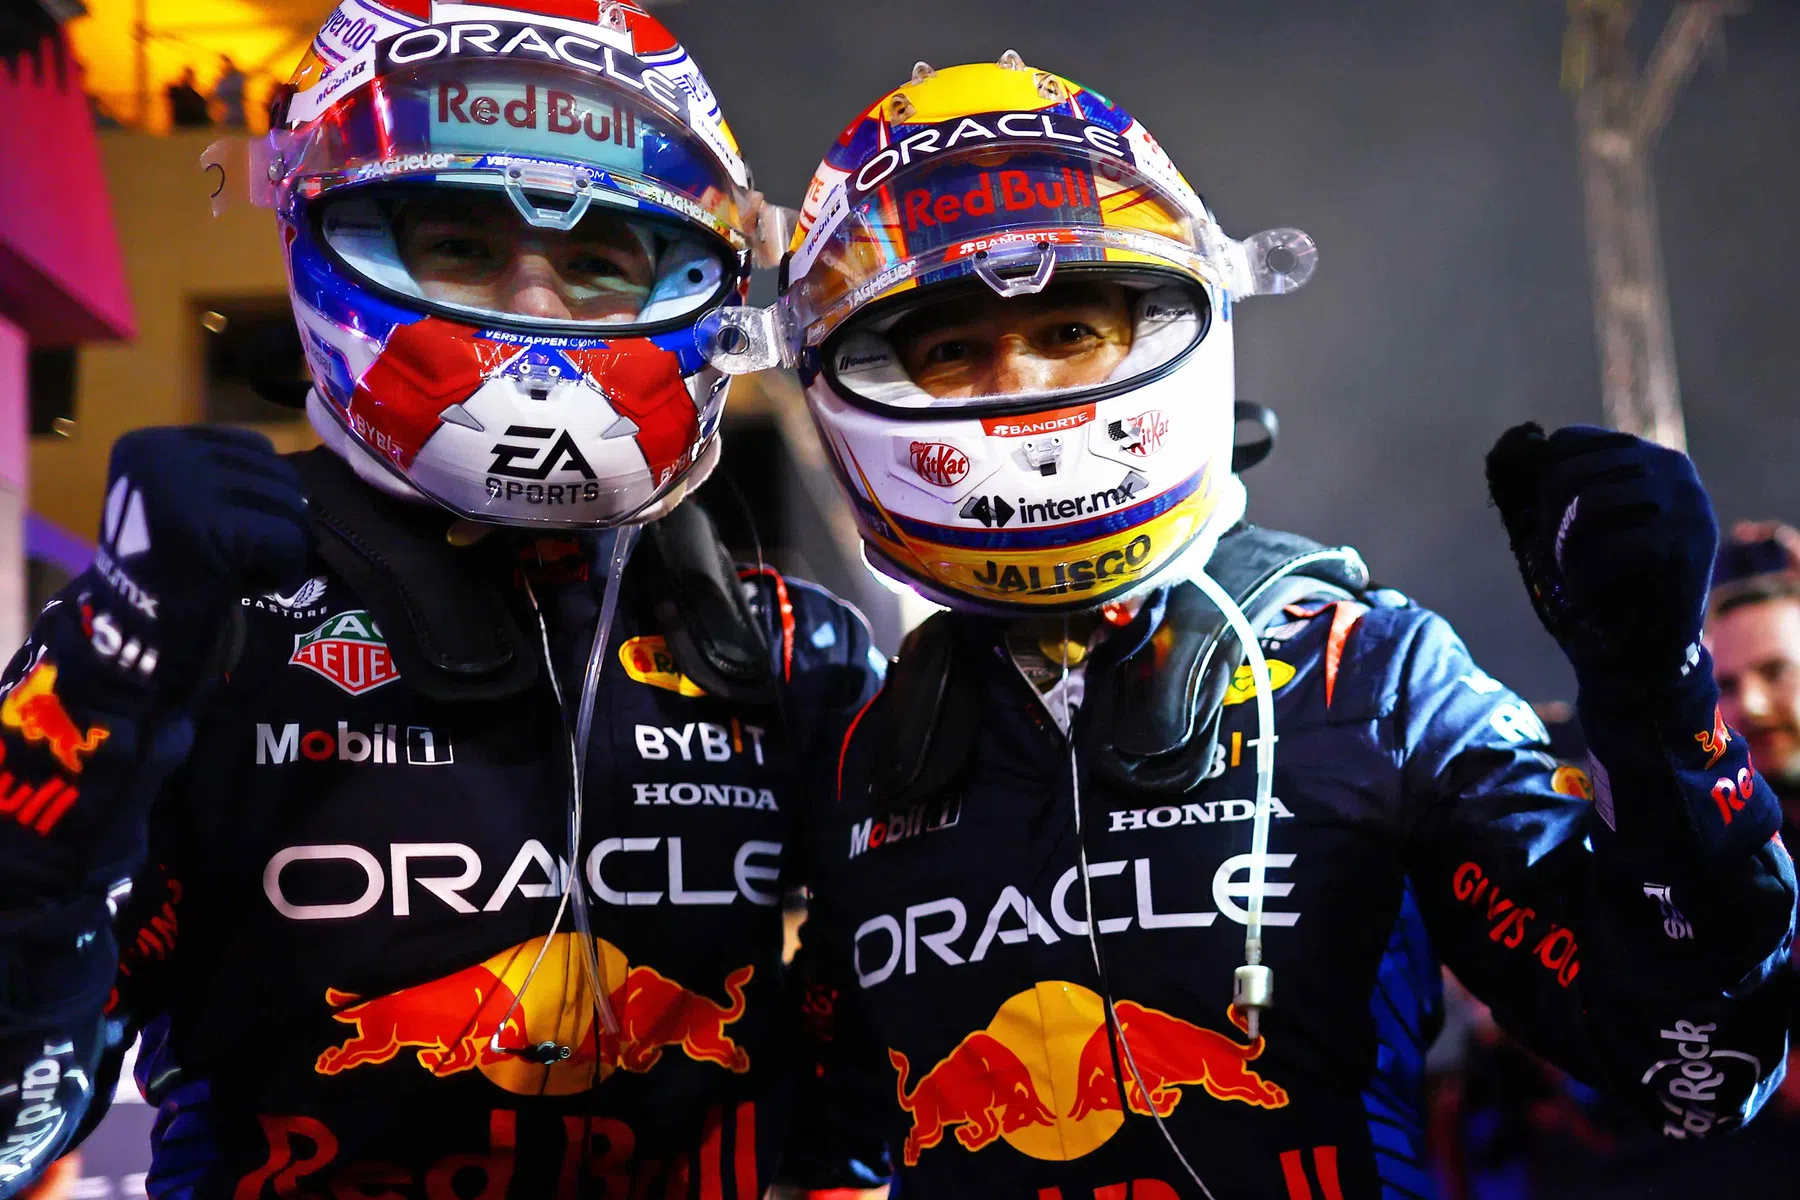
point(1011, 61)
point(275, 171)
point(514, 173)
point(1281, 260)
point(731, 340)
point(922, 71)
point(582, 181)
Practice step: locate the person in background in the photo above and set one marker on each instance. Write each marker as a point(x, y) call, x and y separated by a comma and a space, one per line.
point(187, 107)
point(1753, 631)
point(228, 94)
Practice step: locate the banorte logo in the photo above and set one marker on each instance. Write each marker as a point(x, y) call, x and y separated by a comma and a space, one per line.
point(939, 463)
point(451, 1022)
point(1003, 1082)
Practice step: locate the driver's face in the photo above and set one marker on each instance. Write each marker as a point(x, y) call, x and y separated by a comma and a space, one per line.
point(474, 250)
point(1068, 335)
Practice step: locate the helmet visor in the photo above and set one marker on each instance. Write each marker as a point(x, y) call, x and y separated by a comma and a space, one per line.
point(469, 252)
point(965, 212)
point(530, 128)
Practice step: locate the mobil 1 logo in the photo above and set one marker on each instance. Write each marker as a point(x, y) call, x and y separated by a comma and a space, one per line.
point(378, 745)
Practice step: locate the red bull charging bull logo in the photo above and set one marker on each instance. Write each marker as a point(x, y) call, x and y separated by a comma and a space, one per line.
point(37, 712)
point(1040, 1076)
point(480, 1017)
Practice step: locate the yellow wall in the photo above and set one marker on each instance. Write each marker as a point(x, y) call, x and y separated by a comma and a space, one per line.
point(176, 255)
point(264, 37)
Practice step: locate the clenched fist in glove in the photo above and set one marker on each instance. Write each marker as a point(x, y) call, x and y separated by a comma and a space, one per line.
point(1615, 537)
point(194, 519)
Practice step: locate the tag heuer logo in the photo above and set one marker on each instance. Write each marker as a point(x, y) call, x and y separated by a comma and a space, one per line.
point(348, 650)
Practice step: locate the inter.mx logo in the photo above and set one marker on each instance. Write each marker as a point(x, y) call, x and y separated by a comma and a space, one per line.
point(347, 648)
point(425, 747)
point(537, 461)
point(124, 533)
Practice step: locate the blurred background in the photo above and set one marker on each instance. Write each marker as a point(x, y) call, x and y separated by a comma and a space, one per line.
point(1560, 211)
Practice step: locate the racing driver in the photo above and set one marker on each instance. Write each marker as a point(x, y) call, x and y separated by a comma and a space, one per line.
point(1141, 866)
point(428, 863)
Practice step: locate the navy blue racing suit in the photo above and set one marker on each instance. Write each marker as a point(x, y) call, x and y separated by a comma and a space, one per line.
point(1419, 821)
point(335, 942)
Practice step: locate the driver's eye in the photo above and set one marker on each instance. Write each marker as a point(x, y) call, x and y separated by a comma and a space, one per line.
point(594, 264)
point(953, 351)
point(1071, 333)
point(461, 249)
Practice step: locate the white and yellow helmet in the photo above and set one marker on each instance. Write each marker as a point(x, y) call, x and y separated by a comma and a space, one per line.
point(993, 179)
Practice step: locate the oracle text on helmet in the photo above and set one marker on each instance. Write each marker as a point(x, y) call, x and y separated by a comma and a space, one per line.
point(527, 43)
point(1049, 128)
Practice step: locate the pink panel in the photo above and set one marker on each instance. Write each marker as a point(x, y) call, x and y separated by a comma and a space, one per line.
point(15, 409)
point(61, 275)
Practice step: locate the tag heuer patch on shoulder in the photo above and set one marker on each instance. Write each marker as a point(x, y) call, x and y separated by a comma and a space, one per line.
point(347, 649)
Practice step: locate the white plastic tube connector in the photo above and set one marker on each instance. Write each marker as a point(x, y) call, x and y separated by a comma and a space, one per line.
point(1253, 983)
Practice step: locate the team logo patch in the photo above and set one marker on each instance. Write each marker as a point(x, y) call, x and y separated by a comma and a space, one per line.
point(347, 649)
point(1243, 683)
point(36, 711)
point(647, 660)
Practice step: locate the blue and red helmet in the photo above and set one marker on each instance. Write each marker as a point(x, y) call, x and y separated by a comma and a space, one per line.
point(502, 222)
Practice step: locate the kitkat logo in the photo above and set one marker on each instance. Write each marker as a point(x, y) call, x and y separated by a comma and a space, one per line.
point(347, 649)
point(1039, 423)
point(1146, 431)
point(939, 464)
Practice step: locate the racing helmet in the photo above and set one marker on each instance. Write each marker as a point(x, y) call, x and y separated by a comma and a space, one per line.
point(1012, 319)
point(501, 223)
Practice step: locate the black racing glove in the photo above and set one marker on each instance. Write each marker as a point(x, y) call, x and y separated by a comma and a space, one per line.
point(1615, 537)
point(195, 518)
point(96, 709)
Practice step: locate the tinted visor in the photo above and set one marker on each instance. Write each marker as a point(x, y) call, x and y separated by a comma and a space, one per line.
point(470, 251)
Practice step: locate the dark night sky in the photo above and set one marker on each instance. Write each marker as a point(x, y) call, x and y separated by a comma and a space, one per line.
point(1427, 147)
